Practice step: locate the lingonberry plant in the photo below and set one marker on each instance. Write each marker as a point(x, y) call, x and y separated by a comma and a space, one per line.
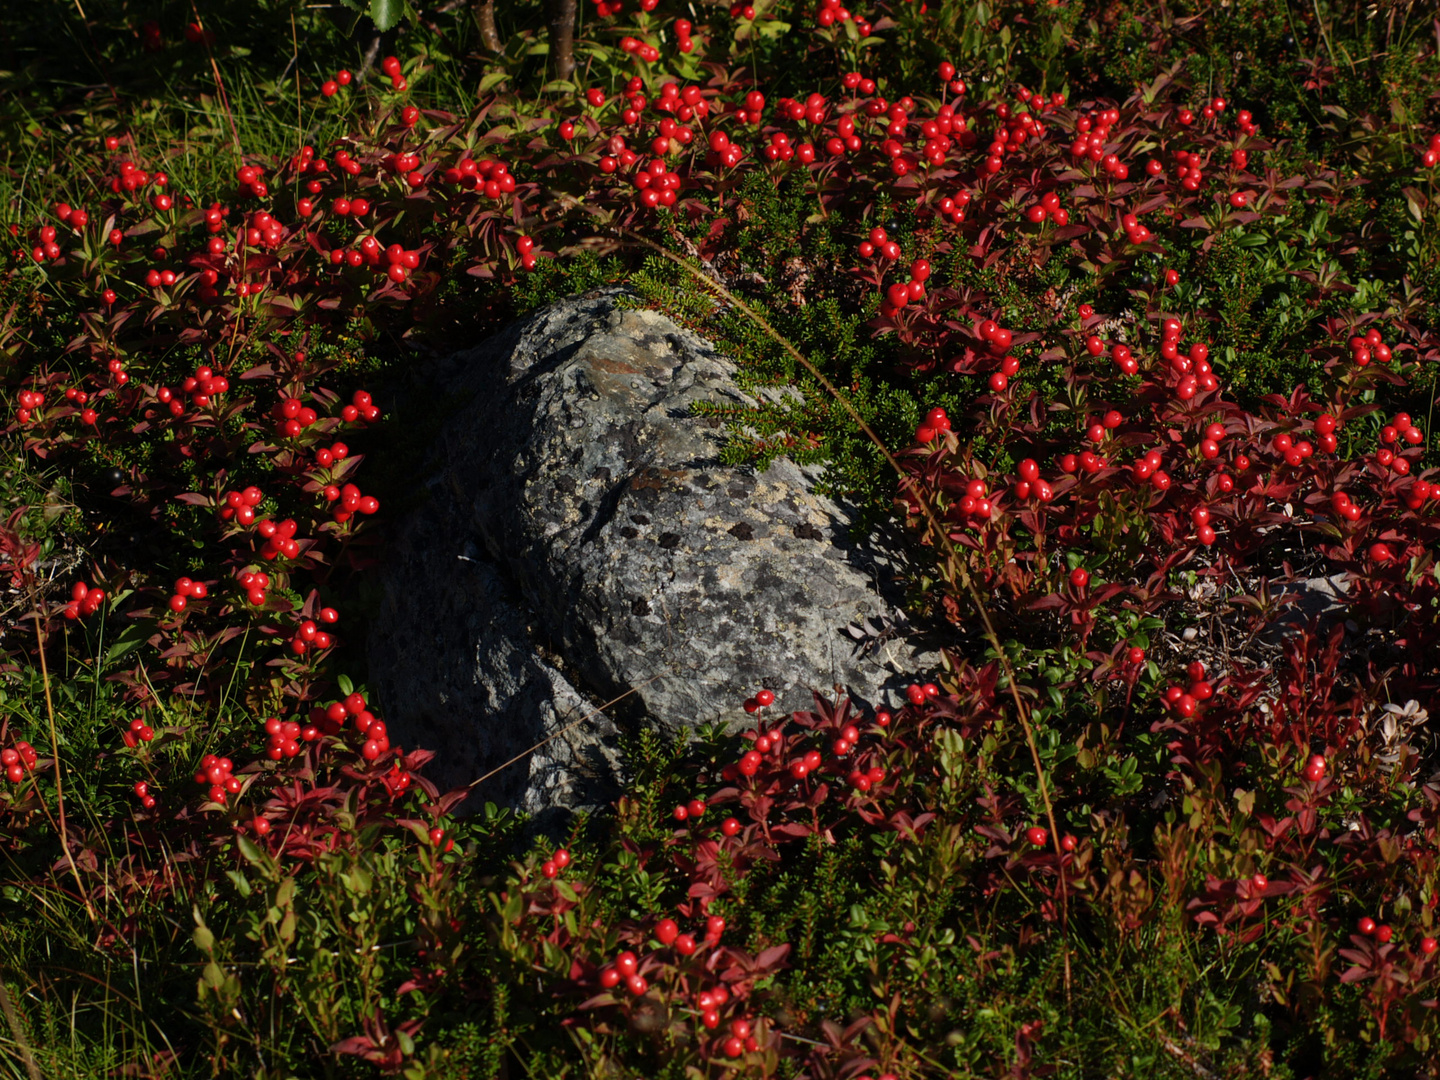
point(1139, 375)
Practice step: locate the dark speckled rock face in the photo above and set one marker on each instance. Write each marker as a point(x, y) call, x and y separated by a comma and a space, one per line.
point(583, 540)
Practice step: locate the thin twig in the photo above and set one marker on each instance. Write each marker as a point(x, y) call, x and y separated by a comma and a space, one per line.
point(941, 537)
point(55, 756)
point(567, 728)
point(1325, 33)
point(99, 56)
point(219, 82)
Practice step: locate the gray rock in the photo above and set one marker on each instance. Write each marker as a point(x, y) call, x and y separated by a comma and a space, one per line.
point(583, 523)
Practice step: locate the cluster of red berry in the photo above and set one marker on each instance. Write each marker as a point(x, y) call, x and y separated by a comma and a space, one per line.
point(84, 601)
point(203, 386)
point(138, 731)
point(1019, 128)
point(79, 397)
point(489, 176)
point(1135, 231)
point(308, 634)
point(762, 699)
point(902, 293)
point(1430, 156)
point(1369, 346)
point(279, 539)
point(557, 862)
point(391, 66)
point(722, 151)
point(331, 87)
point(142, 792)
point(974, 505)
point(361, 407)
point(328, 456)
point(131, 178)
point(263, 231)
point(1029, 483)
point(919, 693)
point(240, 505)
point(76, 217)
point(48, 247)
point(781, 150)
point(196, 34)
point(830, 12)
point(157, 279)
point(657, 184)
point(294, 416)
point(1185, 700)
point(285, 737)
point(682, 36)
point(641, 50)
point(1048, 207)
point(350, 501)
point(30, 401)
point(863, 781)
point(251, 179)
point(347, 164)
point(693, 810)
point(1343, 505)
point(377, 740)
point(626, 967)
point(217, 774)
point(406, 164)
point(18, 760)
point(255, 583)
point(525, 245)
point(185, 591)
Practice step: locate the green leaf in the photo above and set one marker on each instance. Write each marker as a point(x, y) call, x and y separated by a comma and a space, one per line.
point(256, 856)
point(346, 686)
point(386, 13)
